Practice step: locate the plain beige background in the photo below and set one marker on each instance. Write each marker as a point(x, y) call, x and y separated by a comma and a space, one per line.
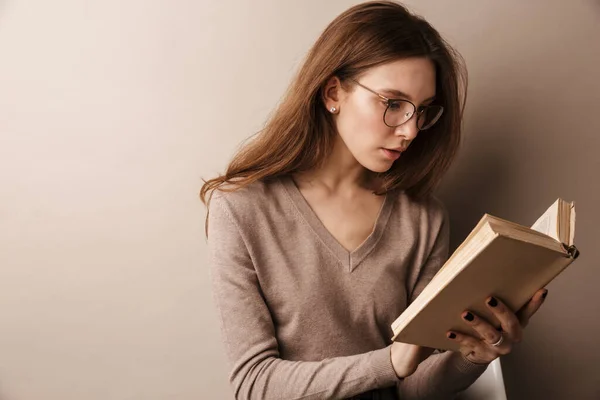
point(111, 111)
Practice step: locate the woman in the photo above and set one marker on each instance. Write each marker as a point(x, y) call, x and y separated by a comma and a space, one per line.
point(324, 228)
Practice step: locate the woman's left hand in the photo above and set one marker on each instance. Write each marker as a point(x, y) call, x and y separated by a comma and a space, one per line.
point(495, 342)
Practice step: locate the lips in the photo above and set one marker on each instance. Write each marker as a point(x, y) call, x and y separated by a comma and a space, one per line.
point(391, 154)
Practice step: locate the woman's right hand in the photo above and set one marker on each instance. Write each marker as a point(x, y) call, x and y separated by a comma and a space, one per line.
point(407, 357)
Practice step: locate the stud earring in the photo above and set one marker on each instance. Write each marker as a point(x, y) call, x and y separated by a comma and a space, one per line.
point(333, 109)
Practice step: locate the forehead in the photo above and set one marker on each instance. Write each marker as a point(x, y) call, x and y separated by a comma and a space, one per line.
point(413, 76)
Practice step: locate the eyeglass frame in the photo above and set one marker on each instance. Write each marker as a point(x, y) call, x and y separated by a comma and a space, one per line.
point(390, 101)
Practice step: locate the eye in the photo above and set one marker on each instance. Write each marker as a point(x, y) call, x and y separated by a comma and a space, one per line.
point(394, 105)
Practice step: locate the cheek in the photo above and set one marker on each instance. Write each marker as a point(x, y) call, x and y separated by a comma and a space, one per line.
point(362, 128)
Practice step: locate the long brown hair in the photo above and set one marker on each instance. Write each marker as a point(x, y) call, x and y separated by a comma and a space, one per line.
point(300, 133)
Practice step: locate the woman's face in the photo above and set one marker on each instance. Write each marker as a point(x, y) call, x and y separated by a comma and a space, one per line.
point(360, 122)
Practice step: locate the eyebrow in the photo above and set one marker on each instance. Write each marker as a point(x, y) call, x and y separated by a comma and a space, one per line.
point(398, 93)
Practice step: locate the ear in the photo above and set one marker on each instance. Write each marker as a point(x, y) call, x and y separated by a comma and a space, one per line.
point(333, 93)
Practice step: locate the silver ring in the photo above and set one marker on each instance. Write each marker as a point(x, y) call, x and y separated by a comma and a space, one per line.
point(499, 342)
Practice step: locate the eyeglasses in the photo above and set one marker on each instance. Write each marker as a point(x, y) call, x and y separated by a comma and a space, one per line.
point(400, 111)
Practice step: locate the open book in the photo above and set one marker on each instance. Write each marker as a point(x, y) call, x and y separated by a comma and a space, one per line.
point(499, 258)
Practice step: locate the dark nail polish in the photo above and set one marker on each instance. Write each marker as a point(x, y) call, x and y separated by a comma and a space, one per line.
point(545, 294)
point(452, 336)
point(493, 302)
point(469, 317)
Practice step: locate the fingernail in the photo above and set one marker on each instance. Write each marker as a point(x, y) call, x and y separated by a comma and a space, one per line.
point(493, 302)
point(469, 317)
point(452, 336)
point(545, 294)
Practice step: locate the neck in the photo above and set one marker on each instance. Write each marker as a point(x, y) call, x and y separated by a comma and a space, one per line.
point(340, 173)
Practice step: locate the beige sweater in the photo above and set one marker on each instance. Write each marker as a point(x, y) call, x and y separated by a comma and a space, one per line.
point(303, 318)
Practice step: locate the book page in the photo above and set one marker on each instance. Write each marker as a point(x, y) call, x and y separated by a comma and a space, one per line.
point(572, 224)
point(547, 223)
point(542, 225)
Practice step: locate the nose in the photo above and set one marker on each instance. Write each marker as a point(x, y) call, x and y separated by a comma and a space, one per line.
point(408, 129)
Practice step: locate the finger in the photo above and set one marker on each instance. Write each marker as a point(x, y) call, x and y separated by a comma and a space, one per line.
point(469, 346)
point(467, 343)
point(531, 307)
point(488, 333)
point(508, 320)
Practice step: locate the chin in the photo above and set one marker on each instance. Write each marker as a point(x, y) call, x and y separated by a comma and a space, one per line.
point(378, 167)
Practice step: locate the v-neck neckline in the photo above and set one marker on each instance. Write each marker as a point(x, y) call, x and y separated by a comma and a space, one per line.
point(349, 259)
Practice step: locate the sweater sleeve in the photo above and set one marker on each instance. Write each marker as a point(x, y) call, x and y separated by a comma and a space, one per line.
point(443, 375)
point(249, 335)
